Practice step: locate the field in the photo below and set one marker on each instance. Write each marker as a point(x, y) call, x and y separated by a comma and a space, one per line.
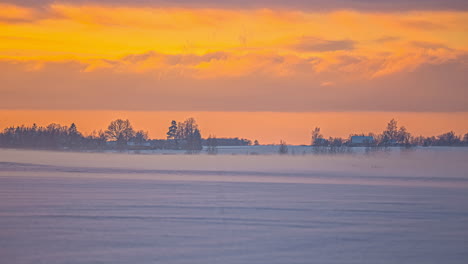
point(384, 207)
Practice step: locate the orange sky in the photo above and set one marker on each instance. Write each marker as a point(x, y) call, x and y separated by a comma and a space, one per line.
point(261, 62)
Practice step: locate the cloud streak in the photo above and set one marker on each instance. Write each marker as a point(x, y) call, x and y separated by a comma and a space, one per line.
point(321, 45)
point(318, 5)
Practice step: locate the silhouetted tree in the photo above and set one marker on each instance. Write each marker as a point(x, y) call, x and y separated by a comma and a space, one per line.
point(74, 137)
point(212, 145)
point(121, 131)
point(317, 138)
point(390, 135)
point(171, 134)
point(97, 140)
point(336, 142)
point(56, 135)
point(419, 141)
point(448, 139)
point(430, 141)
point(283, 149)
point(188, 132)
point(403, 137)
point(101, 139)
point(256, 143)
point(140, 137)
point(194, 141)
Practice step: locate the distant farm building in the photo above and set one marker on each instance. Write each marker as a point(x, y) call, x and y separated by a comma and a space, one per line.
point(362, 140)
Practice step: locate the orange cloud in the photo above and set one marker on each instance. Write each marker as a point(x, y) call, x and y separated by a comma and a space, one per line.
point(280, 51)
point(15, 14)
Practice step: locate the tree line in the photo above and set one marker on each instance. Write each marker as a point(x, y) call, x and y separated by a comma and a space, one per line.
point(391, 136)
point(119, 135)
point(186, 135)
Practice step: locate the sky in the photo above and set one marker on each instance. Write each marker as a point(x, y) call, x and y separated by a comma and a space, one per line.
point(343, 60)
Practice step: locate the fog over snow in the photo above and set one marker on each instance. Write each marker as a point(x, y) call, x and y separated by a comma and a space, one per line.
point(385, 207)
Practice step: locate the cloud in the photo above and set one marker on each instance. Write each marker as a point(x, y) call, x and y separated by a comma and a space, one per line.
point(327, 84)
point(422, 24)
point(344, 65)
point(313, 44)
point(13, 14)
point(152, 61)
point(387, 39)
point(284, 58)
point(369, 5)
point(429, 45)
point(260, 88)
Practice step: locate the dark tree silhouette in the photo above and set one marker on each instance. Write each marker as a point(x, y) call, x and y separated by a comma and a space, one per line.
point(121, 131)
point(283, 149)
point(212, 145)
point(140, 137)
point(74, 137)
point(390, 135)
point(54, 136)
point(317, 138)
point(448, 139)
point(195, 141)
point(403, 137)
point(189, 133)
point(172, 133)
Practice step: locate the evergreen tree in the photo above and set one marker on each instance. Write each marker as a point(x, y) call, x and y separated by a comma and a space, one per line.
point(171, 134)
point(196, 141)
point(73, 136)
point(140, 137)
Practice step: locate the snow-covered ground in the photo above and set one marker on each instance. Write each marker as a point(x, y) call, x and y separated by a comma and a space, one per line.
point(384, 207)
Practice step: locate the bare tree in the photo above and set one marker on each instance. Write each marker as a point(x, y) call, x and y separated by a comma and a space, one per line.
point(189, 133)
point(391, 133)
point(283, 149)
point(212, 144)
point(316, 136)
point(448, 139)
point(403, 136)
point(120, 130)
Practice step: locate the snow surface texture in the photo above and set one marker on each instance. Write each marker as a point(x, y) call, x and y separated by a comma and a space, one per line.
point(404, 207)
